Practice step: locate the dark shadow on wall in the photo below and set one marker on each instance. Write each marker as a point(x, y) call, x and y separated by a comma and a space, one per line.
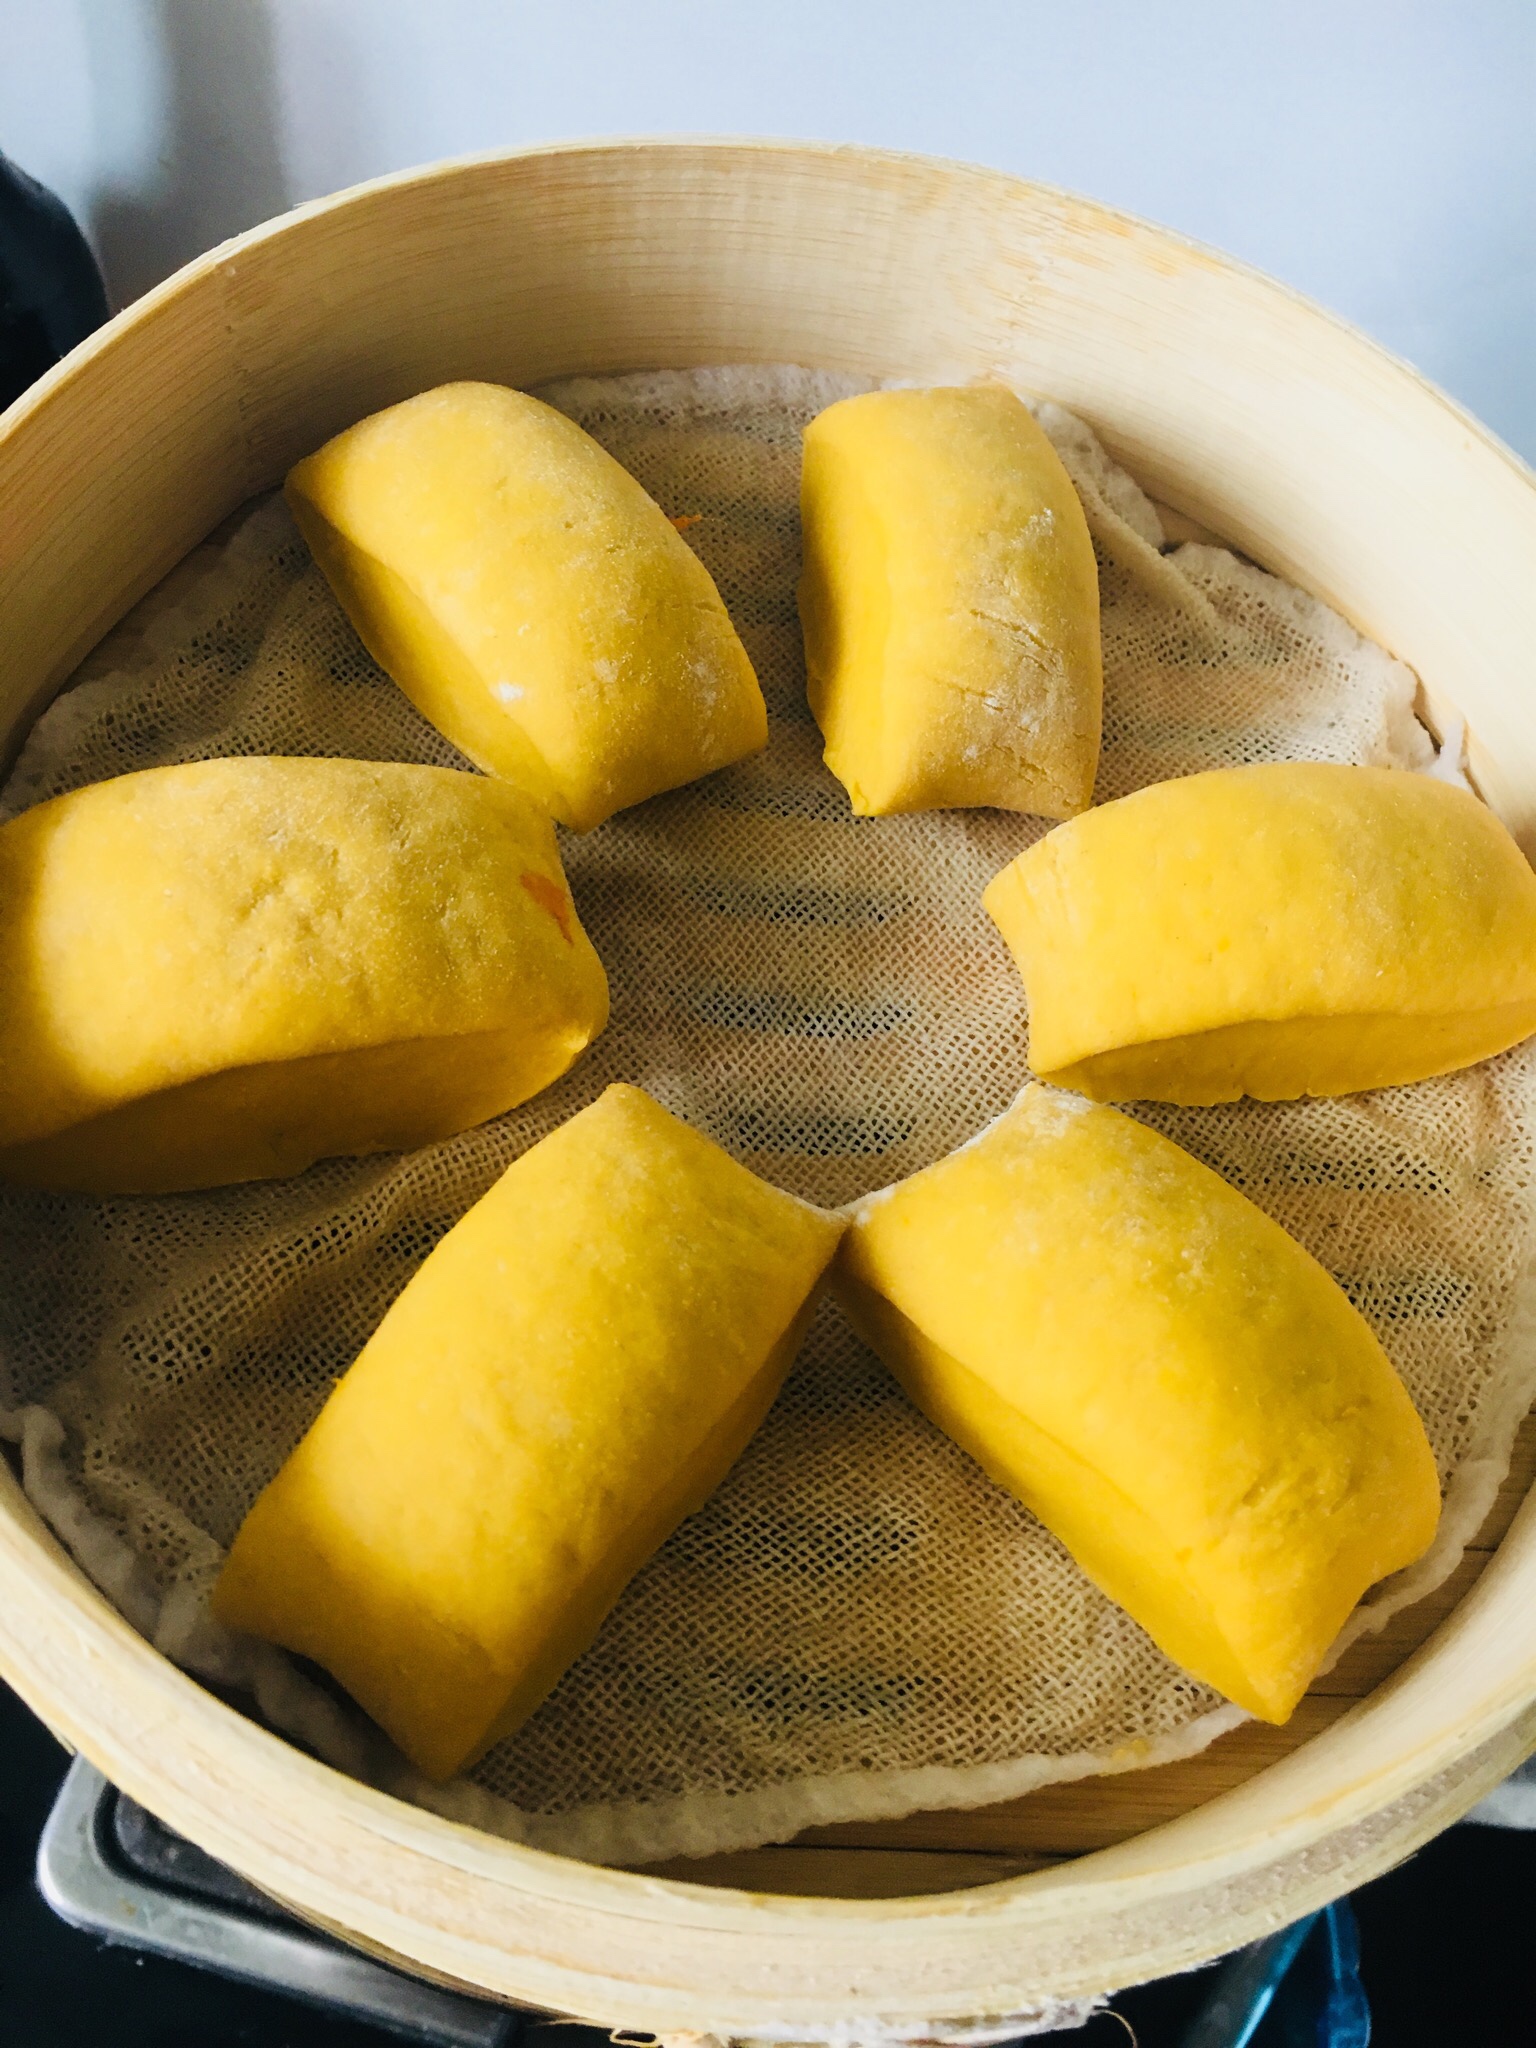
point(219, 162)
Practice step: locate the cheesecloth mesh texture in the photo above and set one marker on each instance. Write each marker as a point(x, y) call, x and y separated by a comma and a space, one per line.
point(858, 1624)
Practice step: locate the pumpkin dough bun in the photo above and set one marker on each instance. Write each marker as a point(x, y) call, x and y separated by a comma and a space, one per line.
point(228, 970)
point(1294, 929)
point(530, 599)
point(1161, 1374)
point(950, 602)
point(573, 1370)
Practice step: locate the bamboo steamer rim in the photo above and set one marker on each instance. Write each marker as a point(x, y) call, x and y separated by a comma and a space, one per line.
point(1235, 401)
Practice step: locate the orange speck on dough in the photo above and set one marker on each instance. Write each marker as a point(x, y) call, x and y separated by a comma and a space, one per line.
point(551, 897)
point(683, 520)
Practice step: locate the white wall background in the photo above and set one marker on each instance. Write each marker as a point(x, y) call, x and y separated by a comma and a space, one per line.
point(1379, 154)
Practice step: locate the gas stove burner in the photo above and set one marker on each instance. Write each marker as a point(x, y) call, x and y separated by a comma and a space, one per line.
point(107, 1866)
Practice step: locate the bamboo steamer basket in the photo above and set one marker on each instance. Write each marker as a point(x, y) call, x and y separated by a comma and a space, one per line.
point(1237, 404)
